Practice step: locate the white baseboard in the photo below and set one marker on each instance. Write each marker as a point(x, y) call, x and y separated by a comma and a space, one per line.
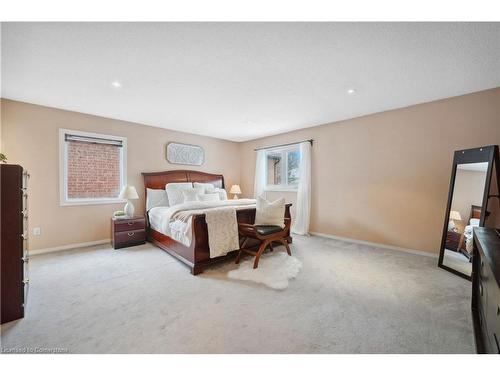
point(346, 239)
point(374, 244)
point(68, 247)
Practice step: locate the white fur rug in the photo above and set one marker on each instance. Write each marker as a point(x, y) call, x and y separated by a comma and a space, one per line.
point(274, 271)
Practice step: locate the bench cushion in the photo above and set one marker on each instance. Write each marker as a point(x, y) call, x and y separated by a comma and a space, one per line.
point(265, 230)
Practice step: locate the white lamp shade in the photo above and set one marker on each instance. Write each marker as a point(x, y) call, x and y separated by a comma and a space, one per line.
point(455, 215)
point(128, 192)
point(235, 189)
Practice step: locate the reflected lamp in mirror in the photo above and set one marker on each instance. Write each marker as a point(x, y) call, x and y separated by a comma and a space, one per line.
point(128, 192)
point(236, 190)
point(454, 215)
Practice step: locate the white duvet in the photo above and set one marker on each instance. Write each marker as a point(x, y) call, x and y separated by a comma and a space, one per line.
point(468, 233)
point(176, 222)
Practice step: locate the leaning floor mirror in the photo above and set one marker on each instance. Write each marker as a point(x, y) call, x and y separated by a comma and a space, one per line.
point(467, 206)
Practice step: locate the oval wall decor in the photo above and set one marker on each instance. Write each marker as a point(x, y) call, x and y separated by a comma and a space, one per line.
point(181, 153)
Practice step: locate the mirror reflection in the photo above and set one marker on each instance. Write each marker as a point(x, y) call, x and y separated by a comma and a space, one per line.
point(464, 215)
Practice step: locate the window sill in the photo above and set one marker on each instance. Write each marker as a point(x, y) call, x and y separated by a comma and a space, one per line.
point(89, 202)
point(280, 189)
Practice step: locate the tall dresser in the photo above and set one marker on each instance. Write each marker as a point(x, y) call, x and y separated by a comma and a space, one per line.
point(486, 290)
point(14, 236)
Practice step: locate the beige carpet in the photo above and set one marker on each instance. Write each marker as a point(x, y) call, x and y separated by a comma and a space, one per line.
point(346, 299)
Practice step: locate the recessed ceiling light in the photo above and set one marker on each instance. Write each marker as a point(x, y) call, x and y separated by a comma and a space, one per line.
point(116, 84)
point(351, 91)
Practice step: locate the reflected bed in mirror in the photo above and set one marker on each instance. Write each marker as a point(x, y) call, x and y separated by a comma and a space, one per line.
point(467, 200)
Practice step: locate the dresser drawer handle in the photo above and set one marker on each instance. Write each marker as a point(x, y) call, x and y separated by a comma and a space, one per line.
point(498, 310)
point(130, 234)
point(480, 288)
point(130, 223)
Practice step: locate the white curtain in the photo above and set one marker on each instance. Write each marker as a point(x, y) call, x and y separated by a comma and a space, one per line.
point(303, 210)
point(260, 173)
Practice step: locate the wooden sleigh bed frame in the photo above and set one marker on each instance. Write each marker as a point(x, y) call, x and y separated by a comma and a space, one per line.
point(196, 256)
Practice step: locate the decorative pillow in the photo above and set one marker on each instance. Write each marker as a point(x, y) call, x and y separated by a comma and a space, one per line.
point(212, 197)
point(222, 194)
point(174, 192)
point(156, 198)
point(207, 188)
point(190, 195)
point(270, 213)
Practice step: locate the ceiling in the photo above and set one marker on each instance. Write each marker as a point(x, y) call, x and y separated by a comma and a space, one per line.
point(242, 81)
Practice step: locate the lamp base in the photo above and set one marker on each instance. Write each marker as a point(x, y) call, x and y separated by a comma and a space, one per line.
point(129, 209)
point(235, 196)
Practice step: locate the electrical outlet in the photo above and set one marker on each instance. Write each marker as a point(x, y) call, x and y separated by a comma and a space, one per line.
point(37, 231)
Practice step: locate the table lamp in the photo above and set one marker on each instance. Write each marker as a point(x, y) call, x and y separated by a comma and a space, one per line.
point(454, 215)
point(128, 192)
point(235, 189)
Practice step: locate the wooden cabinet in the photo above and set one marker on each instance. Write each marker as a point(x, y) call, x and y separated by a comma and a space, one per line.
point(486, 290)
point(14, 237)
point(128, 232)
point(453, 240)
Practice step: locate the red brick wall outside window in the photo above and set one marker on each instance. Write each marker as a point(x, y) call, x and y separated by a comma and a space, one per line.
point(93, 170)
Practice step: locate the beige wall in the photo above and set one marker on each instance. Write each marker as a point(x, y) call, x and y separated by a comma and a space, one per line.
point(468, 190)
point(30, 138)
point(384, 177)
point(381, 178)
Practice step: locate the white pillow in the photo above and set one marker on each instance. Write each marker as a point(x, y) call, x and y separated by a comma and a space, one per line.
point(207, 188)
point(190, 195)
point(474, 222)
point(174, 192)
point(156, 198)
point(222, 194)
point(213, 197)
point(270, 213)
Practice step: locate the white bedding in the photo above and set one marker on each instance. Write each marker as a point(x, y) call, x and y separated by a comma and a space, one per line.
point(468, 233)
point(176, 221)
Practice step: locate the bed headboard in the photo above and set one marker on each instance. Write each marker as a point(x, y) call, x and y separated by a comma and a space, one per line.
point(158, 180)
point(475, 213)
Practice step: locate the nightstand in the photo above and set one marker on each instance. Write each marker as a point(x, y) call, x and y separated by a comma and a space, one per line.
point(453, 240)
point(128, 232)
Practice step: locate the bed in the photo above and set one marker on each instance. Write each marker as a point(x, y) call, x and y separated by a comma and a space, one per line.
point(466, 240)
point(197, 255)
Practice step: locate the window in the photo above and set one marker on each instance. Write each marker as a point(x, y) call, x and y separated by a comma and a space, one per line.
point(282, 168)
point(92, 167)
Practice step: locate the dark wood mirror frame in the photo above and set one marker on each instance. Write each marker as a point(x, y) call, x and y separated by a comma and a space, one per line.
point(488, 154)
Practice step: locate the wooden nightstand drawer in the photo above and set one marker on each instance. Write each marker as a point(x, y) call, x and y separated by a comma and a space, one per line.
point(129, 238)
point(128, 232)
point(453, 240)
point(128, 225)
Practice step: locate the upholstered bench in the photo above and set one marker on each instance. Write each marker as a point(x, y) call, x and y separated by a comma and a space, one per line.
point(267, 234)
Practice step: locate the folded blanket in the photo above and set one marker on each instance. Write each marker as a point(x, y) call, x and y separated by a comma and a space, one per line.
point(222, 231)
point(468, 233)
